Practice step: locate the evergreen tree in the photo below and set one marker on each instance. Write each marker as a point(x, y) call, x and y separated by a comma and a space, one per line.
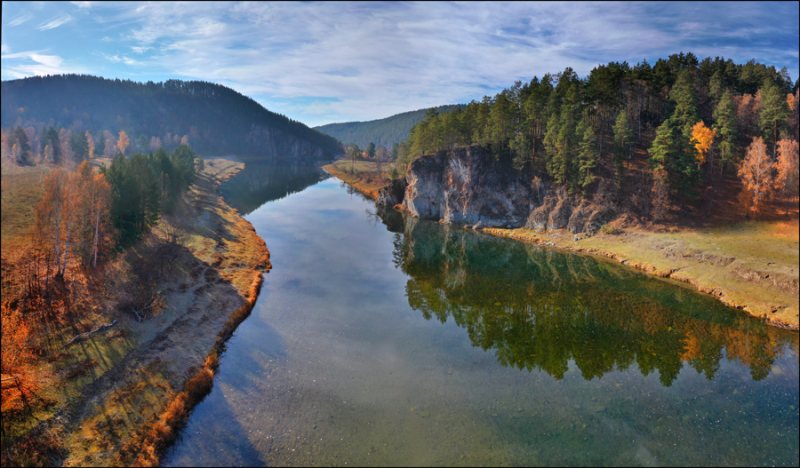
point(623, 141)
point(19, 139)
point(587, 155)
point(773, 113)
point(100, 143)
point(80, 146)
point(370, 150)
point(684, 96)
point(716, 87)
point(725, 124)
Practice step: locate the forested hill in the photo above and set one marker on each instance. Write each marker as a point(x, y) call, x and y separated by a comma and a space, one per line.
point(382, 132)
point(213, 119)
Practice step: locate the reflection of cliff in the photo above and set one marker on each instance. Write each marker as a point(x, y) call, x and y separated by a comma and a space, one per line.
point(538, 309)
point(261, 182)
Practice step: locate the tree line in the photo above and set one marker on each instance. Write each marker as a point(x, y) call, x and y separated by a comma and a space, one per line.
point(208, 116)
point(693, 119)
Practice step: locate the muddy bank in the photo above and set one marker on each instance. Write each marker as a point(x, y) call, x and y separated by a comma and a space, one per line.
point(131, 412)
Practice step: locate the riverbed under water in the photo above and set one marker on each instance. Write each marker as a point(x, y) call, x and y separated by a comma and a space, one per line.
point(379, 340)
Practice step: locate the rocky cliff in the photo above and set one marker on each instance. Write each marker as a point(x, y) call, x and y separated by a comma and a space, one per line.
point(467, 186)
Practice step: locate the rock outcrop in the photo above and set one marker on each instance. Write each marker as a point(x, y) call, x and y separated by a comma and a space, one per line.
point(467, 186)
point(392, 194)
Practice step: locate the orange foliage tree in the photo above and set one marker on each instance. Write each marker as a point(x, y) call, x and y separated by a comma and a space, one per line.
point(787, 167)
point(702, 137)
point(756, 173)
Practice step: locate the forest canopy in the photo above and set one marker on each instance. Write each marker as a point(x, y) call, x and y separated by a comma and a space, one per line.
point(691, 119)
point(209, 117)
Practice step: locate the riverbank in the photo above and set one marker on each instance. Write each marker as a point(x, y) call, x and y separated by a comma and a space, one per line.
point(361, 176)
point(752, 266)
point(118, 397)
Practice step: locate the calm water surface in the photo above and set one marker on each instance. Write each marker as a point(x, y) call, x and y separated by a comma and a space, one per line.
point(379, 340)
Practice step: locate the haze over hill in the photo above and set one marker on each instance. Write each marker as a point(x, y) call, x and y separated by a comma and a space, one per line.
point(213, 118)
point(384, 132)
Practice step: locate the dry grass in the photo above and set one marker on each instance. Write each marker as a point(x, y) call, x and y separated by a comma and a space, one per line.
point(119, 389)
point(364, 175)
point(750, 265)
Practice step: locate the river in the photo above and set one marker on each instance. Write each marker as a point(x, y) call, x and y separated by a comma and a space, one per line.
point(384, 340)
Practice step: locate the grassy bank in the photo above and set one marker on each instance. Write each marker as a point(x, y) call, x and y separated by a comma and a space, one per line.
point(118, 397)
point(361, 175)
point(752, 266)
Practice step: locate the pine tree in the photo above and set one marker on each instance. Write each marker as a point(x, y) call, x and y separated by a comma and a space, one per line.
point(587, 155)
point(773, 113)
point(725, 126)
point(623, 141)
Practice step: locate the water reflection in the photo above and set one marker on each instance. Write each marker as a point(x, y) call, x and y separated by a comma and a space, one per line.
point(539, 309)
point(268, 180)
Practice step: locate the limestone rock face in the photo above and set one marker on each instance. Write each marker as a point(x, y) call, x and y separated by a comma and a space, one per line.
point(467, 186)
point(392, 194)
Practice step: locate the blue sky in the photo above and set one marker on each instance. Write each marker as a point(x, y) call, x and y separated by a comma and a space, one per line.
point(335, 62)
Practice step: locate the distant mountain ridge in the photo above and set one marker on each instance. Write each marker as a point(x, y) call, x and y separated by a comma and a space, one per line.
point(215, 119)
point(386, 132)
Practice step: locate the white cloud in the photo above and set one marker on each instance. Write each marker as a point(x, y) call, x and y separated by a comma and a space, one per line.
point(20, 19)
point(54, 23)
point(23, 64)
point(320, 62)
point(82, 4)
point(121, 59)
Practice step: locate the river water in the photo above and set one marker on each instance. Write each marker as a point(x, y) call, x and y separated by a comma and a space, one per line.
point(379, 340)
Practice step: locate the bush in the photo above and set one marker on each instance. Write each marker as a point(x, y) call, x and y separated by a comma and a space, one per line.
point(609, 229)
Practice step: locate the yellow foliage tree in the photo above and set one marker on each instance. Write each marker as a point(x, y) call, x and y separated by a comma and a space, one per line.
point(123, 142)
point(702, 137)
point(90, 141)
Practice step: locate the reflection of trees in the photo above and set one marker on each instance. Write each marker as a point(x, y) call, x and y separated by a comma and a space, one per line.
point(261, 182)
point(538, 309)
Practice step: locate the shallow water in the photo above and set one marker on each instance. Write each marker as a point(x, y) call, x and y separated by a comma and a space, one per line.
point(379, 340)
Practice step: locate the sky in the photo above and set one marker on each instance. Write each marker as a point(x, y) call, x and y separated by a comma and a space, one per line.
point(327, 62)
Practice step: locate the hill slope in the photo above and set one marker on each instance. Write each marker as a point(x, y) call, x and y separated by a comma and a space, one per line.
point(384, 132)
point(216, 119)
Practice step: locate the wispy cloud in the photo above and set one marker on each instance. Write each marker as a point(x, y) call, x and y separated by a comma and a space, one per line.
point(20, 19)
point(322, 62)
point(122, 59)
point(28, 63)
point(54, 23)
point(82, 4)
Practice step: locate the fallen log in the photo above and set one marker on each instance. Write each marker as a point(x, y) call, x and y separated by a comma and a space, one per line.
point(86, 335)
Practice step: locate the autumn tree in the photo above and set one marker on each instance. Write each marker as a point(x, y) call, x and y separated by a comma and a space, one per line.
point(123, 142)
point(787, 167)
point(57, 214)
point(90, 145)
point(702, 138)
point(756, 173)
